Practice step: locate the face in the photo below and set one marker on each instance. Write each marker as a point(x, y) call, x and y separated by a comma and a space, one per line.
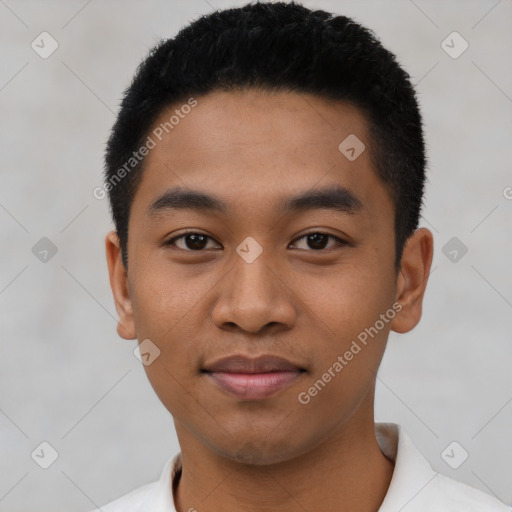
point(252, 236)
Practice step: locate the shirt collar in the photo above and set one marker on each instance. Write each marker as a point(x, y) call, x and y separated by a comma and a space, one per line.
point(411, 474)
point(163, 500)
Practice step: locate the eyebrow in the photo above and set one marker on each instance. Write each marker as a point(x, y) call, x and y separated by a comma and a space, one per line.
point(336, 198)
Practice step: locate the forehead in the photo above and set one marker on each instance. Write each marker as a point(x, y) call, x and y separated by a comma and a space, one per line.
point(254, 147)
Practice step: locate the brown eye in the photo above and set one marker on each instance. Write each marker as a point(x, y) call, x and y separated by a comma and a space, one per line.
point(318, 241)
point(190, 241)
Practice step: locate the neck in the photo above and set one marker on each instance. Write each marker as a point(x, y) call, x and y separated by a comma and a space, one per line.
point(345, 472)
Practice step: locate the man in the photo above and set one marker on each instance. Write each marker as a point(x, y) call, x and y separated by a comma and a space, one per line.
point(266, 175)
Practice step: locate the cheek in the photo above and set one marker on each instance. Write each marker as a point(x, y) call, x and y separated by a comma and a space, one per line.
point(163, 297)
point(165, 314)
point(347, 311)
point(348, 299)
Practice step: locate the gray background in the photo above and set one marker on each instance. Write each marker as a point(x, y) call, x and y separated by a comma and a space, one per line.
point(66, 377)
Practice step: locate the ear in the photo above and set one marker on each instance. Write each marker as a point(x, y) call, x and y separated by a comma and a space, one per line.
point(412, 279)
point(119, 283)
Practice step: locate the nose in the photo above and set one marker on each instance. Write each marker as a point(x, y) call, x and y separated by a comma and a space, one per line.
point(254, 297)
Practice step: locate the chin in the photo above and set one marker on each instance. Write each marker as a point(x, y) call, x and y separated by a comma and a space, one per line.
point(259, 453)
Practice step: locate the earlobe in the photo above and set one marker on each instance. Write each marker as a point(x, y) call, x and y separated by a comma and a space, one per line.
point(119, 285)
point(412, 279)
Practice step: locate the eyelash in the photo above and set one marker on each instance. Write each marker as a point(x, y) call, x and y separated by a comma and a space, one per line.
point(340, 241)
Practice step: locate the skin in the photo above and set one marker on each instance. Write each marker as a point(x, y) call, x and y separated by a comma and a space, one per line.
point(251, 148)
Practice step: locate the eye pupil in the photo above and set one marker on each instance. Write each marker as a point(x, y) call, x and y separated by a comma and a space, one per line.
point(198, 241)
point(317, 240)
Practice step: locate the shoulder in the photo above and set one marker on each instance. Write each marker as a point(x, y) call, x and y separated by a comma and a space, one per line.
point(153, 497)
point(415, 485)
point(451, 495)
point(135, 501)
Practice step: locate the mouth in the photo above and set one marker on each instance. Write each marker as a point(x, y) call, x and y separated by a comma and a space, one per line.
point(253, 379)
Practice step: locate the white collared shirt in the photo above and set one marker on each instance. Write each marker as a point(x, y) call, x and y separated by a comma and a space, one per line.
point(414, 486)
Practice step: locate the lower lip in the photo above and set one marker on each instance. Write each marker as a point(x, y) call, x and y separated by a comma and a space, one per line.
point(254, 386)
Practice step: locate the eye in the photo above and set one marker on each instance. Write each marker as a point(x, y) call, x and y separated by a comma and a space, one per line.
point(317, 240)
point(197, 242)
point(191, 241)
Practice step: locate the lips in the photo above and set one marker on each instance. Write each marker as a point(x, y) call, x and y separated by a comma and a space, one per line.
point(253, 379)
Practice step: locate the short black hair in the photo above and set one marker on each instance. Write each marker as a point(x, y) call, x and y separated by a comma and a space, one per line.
point(284, 47)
